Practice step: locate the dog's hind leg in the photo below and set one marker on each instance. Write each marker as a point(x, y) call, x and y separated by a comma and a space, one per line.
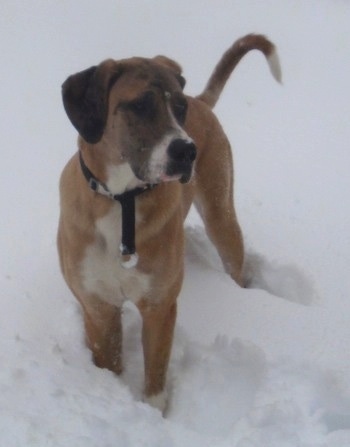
point(103, 328)
point(223, 230)
point(214, 201)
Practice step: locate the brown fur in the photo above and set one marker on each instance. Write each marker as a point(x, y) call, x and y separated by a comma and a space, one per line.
point(98, 104)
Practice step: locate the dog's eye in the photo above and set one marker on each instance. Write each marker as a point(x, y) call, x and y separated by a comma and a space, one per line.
point(143, 106)
point(180, 110)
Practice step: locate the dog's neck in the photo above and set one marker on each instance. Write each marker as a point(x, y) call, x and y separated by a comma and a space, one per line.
point(127, 202)
point(106, 188)
point(114, 172)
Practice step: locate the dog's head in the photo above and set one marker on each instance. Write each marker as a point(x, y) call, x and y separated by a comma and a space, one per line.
point(136, 108)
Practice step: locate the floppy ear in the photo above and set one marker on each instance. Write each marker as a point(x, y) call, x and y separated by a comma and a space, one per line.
point(174, 67)
point(85, 99)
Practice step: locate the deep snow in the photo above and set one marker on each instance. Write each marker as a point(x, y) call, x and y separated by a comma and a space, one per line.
point(263, 367)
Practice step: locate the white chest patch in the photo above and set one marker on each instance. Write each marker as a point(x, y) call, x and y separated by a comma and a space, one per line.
point(102, 271)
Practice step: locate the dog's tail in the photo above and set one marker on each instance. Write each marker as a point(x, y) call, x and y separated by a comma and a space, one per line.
point(230, 59)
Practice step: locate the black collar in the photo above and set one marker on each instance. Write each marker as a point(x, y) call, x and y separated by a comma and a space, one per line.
point(127, 202)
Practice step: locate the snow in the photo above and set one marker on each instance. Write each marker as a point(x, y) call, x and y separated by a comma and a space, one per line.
point(266, 366)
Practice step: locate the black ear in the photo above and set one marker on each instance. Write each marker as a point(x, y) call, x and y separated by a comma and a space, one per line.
point(85, 99)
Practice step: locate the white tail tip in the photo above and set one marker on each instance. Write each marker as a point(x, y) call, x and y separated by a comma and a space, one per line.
point(275, 66)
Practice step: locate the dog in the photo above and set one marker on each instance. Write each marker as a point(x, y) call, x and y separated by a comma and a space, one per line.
point(146, 152)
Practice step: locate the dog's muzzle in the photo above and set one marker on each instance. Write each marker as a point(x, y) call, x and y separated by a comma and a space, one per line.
point(182, 154)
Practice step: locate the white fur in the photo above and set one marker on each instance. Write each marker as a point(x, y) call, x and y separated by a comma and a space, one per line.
point(159, 158)
point(102, 270)
point(158, 401)
point(121, 178)
point(177, 129)
point(275, 66)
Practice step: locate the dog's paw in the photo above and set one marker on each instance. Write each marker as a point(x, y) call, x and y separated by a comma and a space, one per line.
point(158, 401)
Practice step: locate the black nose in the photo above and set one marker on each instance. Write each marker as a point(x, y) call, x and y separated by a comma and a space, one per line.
point(182, 151)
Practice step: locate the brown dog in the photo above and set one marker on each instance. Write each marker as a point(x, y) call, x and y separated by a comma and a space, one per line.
point(146, 152)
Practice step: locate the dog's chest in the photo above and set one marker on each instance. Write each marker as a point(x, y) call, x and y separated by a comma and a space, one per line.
point(101, 269)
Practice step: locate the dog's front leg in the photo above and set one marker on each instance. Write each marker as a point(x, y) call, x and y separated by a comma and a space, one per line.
point(157, 336)
point(103, 328)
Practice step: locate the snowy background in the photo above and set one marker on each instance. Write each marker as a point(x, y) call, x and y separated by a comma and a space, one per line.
point(263, 367)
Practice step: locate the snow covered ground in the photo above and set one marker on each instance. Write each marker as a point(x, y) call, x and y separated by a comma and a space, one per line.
point(267, 366)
